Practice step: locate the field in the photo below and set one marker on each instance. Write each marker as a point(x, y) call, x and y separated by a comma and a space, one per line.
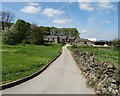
point(19, 61)
point(101, 53)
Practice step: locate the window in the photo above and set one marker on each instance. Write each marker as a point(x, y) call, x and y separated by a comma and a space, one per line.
point(85, 42)
point(53, 40)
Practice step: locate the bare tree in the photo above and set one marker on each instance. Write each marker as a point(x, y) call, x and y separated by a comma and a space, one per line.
point(6, 16)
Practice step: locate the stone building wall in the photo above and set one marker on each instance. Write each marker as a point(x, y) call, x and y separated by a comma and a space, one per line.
point(84, 44)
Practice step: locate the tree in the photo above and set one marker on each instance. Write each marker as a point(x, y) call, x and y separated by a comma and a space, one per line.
point(37, 35)
point(54, 31)
point(73, 32)
point(69, 32)
point(27, 33)
point(6, 24)
point(21, 27)
point(46, 30)
point(10, 35)
point(65, 31)
point(17, 33)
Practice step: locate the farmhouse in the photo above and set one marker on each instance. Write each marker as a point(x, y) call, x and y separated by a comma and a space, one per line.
point(58, 39)
point(62, 39)
point(71, 39)
point(65, 39)
point(55, 39)
point(51, 39)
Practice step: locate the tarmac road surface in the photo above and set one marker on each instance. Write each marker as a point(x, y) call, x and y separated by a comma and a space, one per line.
point(61, 77)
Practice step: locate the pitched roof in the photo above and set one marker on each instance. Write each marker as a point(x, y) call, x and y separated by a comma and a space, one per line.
point(71, 37)
point(62, 37)
point(50, 36)
point(82, 40)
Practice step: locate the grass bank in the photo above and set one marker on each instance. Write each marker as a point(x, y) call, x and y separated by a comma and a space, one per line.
point(19, 61)
point(101, 53)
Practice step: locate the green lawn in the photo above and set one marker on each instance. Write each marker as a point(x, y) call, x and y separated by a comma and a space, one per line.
point(19, 61)
point(101, 53)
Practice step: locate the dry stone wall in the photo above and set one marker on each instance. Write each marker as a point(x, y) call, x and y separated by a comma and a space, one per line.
point(104, 77)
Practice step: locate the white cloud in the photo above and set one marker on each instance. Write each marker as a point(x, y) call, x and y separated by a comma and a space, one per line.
point(86, 6)
point(33, 4)
point(100, 5)
point(61, 21)
point(30, 9)
point(84, 30)
point(52, 12)
point(105, 5)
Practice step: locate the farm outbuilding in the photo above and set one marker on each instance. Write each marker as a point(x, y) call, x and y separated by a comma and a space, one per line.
point(83, 42)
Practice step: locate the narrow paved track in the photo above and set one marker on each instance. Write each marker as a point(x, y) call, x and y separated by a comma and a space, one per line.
point(61, 77)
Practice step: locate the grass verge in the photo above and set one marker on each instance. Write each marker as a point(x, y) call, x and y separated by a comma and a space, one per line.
point(101, 53)
point(19, 61)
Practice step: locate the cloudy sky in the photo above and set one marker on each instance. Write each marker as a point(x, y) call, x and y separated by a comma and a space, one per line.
point(92, 19)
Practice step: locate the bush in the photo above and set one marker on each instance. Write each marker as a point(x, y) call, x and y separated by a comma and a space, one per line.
point(116, 42)
point(10, 35)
